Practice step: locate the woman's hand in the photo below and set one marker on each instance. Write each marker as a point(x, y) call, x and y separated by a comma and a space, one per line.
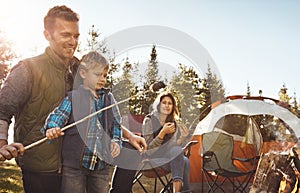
point(168, 128)
point(184, 132)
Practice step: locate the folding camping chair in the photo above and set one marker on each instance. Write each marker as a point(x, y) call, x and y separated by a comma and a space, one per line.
point(218, 167)
point(159, 174)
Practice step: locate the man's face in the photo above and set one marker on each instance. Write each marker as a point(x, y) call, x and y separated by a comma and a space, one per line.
point(63, 38)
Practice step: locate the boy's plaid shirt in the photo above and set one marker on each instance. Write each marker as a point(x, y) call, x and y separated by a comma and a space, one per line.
point(93, 150)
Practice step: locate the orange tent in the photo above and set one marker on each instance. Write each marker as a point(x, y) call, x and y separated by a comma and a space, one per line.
point(253, 122)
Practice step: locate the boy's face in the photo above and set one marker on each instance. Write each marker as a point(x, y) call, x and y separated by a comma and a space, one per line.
point(94, 79)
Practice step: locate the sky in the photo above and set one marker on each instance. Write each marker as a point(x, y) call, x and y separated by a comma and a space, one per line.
point(255, 42)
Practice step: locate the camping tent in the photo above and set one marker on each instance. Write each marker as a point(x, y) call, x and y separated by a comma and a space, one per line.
point(249, 140)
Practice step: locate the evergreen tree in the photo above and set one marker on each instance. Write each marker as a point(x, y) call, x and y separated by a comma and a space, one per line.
point(214, 86)
point(195, 95)
point(211, 90)
point(283, 95)
point(185, 86)
point(260, 92)
point(248, 94)
point(151, 77)
point(125, 88)
point(95, 44)
point(295, 107)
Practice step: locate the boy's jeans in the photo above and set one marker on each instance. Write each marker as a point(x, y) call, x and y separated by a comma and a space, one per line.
point(81, 181)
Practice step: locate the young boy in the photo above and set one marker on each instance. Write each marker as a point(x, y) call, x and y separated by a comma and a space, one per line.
point(90, 145)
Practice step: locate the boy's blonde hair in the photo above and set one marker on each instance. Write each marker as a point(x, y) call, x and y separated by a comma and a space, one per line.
point(93, 60)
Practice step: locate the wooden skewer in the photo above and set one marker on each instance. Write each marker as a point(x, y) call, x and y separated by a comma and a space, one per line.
point(83, 119)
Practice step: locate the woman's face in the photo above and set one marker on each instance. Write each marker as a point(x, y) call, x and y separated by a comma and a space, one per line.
point(166, 105)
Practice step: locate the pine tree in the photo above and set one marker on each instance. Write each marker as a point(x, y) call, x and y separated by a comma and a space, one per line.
point(185, 86)
point(95, 44)
point(214, 86)
point(125, 88)
point(283, 96)
point(151, 77)
point(211, 90)
point(248, 94)
point(295, 107)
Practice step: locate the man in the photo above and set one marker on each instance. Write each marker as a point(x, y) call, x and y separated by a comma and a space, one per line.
point(33, 88)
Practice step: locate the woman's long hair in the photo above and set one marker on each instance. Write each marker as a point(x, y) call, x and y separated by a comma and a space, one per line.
point(174, 115)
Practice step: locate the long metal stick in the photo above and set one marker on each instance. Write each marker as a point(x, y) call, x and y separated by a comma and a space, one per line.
point(83, 119)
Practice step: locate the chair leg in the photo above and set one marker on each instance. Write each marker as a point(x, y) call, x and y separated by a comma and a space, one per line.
point(242, 185)
point(239, 186)
point(155, 182)
point(213, 183)
point(165, 184)
point(137, 180)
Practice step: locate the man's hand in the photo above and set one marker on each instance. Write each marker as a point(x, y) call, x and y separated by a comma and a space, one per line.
point(138, 142)
point(10, 151)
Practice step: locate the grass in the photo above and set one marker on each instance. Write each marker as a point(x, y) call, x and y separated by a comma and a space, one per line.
point(11, 180)
point(148, 183)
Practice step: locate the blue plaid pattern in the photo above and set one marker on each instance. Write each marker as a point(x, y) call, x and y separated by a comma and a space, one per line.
point(93, 151)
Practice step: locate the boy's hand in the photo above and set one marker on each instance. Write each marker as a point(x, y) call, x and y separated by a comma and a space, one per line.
point(115, 149)
point(138, 142)
point(54, 133)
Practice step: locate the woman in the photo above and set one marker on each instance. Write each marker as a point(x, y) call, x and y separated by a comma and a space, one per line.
point(165, 137)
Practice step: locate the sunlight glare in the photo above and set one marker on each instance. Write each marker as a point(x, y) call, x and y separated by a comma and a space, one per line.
point(23, 26)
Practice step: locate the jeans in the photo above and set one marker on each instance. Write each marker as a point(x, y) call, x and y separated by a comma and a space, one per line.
point(85, 181)
point(41, 182)
point(179, 166)
point(124, 174)
point(122, 180)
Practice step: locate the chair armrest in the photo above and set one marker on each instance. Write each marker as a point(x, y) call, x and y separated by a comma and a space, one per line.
point(253, 160)
point(190, 143)
point(210, 156)
point(187, 148)
point(207, 154)
point(246, 159)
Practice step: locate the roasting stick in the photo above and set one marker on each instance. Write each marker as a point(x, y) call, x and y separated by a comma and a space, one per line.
point(153, 88)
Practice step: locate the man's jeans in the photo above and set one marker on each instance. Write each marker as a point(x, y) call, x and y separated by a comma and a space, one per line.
point(41, 182)
point(81, 181)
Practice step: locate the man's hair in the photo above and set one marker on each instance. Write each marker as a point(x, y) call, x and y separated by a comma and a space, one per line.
point(62, 12)
point(93, 60)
